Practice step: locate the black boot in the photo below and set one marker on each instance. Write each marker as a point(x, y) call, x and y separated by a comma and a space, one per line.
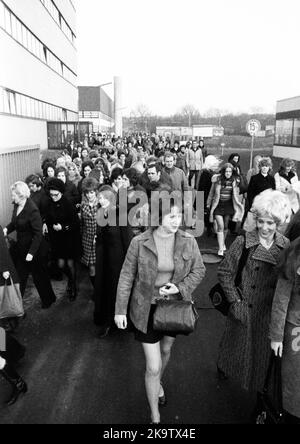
point(71, 290)
point(18, 384)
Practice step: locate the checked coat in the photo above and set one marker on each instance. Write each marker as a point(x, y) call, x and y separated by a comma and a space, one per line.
point(245, 346)
point(88, 233)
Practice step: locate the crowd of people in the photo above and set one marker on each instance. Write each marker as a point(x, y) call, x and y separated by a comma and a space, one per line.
point(73, 212)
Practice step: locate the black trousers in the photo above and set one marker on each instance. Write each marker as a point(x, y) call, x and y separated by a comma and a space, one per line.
point(191, 175)
point(39, 271)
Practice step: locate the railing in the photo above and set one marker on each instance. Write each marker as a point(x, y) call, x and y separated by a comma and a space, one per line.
point(15, 164)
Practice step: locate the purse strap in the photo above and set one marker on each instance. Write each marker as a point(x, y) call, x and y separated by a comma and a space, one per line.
point(275, 368)
point(242, 263)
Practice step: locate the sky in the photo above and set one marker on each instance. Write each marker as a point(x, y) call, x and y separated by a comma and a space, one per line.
point(234, 55)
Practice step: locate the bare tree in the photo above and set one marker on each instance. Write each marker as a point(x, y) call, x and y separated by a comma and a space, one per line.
point(141, 114)
point(189, 111)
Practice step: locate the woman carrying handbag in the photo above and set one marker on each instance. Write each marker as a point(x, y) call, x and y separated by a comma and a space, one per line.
point(163, 262)
point(14, 351)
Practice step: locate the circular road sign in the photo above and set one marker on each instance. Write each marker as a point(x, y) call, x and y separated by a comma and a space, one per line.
point(253, 126)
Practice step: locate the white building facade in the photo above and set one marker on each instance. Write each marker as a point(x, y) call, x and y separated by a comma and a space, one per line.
point(287, 130)
point(38, 76)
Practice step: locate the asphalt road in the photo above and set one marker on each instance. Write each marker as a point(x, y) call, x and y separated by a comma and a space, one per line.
point(76, 378)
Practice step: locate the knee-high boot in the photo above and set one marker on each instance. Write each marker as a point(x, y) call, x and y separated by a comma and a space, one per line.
point(71, 287)
point(225, 235)
point(220, 237)
point(18, 384)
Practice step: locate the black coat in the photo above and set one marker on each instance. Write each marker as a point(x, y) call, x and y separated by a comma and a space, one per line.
point(112, 242)
point(259, 183)
point(6, 263)
point(65, 244)
point(72, 193)
point(28, 225)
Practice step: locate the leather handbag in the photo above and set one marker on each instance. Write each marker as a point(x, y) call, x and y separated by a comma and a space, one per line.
point(269, 409)
point(217, 294)
point(11, 302)
point(175, 316)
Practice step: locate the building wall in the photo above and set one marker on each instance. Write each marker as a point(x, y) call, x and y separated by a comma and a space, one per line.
point(286, 105)
point(286, 151)
point(30, 132)
point(39, 71)
point(36, 16)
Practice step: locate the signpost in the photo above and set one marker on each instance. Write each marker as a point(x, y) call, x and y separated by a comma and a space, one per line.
point(252, 128)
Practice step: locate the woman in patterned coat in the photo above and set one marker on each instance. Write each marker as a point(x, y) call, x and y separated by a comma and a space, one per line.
point(245, 347)
point(89, 207)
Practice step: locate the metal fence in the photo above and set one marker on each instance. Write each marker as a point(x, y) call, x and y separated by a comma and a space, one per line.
point(15, 164)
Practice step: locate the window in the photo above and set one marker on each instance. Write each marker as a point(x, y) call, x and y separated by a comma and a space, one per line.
point(2, 15)
point(14, 27)
point(7, 21)
point(283, 133)
point(296, 132)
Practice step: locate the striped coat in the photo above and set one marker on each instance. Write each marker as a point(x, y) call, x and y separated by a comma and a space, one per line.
point(245, 346)
point(88, 233)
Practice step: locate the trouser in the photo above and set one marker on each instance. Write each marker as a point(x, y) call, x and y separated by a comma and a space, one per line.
point(38, 269)
point(191, 175)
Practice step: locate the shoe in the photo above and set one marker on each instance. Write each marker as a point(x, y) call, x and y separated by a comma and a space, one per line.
point(48, 305)
point(71, 290)
point(162, 400)
point(103, 332)
point(221, 375)
point(18, 384)
point(221, 253)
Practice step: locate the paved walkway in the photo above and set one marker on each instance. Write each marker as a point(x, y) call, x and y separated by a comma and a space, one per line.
point(76, 378)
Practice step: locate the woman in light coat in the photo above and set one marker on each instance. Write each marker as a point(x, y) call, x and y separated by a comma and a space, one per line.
point(161, 262)
point(245, 348)
point(285, 180)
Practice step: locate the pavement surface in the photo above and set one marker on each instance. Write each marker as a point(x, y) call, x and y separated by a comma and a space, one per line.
point(76, 378)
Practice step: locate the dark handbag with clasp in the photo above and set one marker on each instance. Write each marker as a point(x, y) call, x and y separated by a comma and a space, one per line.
point(269, 408)
point(175, 316)
point(217, 294)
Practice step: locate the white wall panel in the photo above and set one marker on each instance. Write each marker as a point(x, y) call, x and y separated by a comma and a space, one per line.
point(16, 131)
point(36, 17)
point(24, 73)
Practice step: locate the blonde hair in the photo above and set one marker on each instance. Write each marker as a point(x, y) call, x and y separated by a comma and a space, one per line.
point(21, 189)
point(212, 163)
point(273, 204)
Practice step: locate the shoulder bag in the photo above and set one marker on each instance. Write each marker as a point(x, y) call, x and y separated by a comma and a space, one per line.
point(217, 294)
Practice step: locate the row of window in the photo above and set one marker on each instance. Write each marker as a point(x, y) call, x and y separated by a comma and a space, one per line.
point(20, 105)
point(13, 26)
point(89, 114)
point(55, 13)
point(288, 132)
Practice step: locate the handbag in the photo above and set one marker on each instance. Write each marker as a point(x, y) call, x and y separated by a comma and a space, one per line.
point(11, 302)
point(217, 294)
point(175, 316)
point(269, 408)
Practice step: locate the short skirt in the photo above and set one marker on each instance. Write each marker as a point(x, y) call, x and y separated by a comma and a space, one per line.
point(152, 336)
point(224, 208)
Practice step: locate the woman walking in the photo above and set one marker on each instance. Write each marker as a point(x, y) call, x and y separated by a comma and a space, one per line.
point(112, 242)
point(62, 225)
point(285, 328)
point(161, 262)
point(89, 207)
point(245, 349)
point(14, 350)
point(285, 180)
point(30, 253)
point(225, 204)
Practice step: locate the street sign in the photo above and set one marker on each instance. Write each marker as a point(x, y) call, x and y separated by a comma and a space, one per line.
point(253, 126)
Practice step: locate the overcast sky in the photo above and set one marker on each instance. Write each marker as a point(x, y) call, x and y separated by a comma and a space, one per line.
point(229, 54)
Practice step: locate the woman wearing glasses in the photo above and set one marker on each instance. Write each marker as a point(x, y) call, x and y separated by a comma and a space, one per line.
point(62, 225)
